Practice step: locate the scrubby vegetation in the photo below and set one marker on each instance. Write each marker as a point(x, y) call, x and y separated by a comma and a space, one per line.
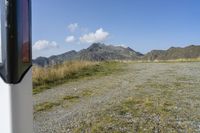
point(45, 106)
point(49, 105)
point(45, 78)
point(158, 111)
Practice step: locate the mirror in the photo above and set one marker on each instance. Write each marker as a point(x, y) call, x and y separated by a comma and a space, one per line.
point(26, 31)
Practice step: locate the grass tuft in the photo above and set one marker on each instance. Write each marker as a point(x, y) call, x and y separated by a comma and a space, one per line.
point(44, 106)
point(46, 78)
point(71, 98)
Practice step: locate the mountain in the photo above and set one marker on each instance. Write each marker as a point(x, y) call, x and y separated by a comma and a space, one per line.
point(96, 52)
point(191, 51)
point(101, 52)
point(58, 59)
point(41, 61)
point(55, 59)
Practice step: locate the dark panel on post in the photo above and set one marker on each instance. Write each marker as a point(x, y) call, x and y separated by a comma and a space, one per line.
point(16, 38)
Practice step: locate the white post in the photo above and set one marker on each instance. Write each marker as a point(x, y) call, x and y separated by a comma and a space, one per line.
point(16, 113)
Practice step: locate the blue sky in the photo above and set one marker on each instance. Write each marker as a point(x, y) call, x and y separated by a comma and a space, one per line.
point(63, 25)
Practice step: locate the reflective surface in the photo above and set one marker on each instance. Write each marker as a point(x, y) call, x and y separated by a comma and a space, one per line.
point(25, 34)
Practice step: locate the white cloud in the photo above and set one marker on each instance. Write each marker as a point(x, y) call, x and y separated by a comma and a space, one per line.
point(44, 44)
point(72, 27)
point(70, 39)
point(99, 36)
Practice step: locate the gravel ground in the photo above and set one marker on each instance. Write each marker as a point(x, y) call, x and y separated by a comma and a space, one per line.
point(100, 93)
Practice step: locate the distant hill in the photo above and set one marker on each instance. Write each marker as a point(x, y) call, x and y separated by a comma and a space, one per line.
point(102, 52)
point(96, 52)
point(55, 59)
point(172, 53)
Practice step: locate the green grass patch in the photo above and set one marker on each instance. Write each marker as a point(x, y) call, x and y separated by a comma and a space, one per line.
point(71, 98)
point(87, 93)
point(41, 88)
point(65, 101)
point(49, 105)
point(45, 106)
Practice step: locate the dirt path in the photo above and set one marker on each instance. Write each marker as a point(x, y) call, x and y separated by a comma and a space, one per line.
point(98, 94)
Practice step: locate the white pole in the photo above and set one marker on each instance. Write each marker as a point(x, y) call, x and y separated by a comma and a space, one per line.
point(16, 113)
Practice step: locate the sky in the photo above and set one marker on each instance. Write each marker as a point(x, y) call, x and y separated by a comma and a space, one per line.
point(59, 26)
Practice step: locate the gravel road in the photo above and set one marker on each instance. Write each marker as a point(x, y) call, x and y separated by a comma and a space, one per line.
point(97, 94)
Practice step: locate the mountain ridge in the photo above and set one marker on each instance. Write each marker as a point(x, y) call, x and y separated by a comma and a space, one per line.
point(103, 52)
point(191, 51)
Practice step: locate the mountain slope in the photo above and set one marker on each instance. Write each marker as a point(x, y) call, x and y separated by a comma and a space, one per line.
point(58, 59)
point(100, 52)
point(96, 52)
point(191, 51)
point(55, 59)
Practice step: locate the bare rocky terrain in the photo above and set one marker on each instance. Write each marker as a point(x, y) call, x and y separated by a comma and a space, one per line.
point(144, 97)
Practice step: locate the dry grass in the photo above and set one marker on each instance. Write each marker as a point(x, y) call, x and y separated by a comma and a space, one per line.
point(59, 71)
point(46, 78)
point(45, 106)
